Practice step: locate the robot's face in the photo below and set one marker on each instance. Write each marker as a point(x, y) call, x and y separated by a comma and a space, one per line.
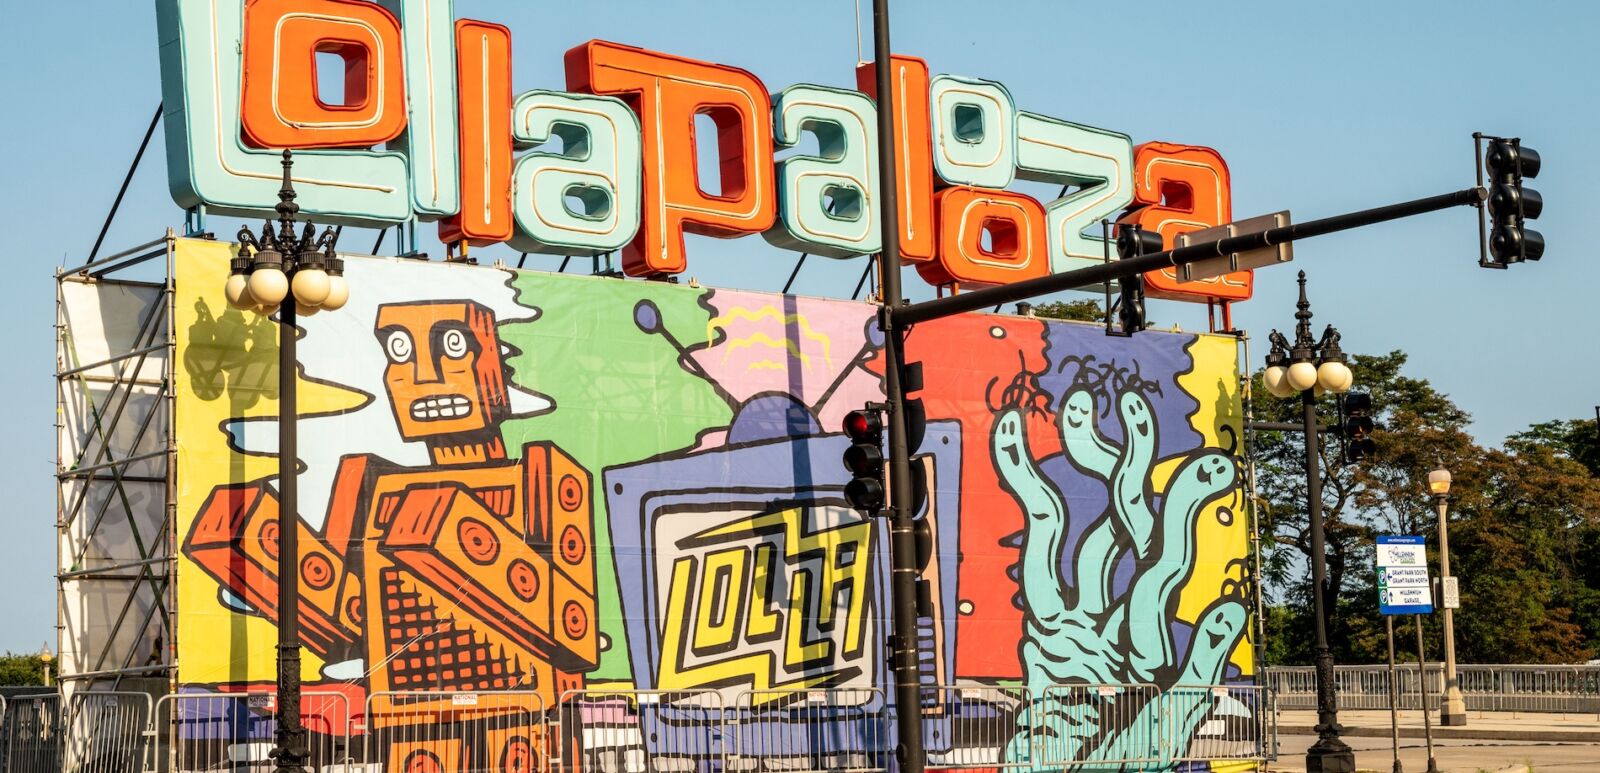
point(444, 375)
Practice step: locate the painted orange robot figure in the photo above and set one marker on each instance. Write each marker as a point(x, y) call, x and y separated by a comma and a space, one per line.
point(474, 573)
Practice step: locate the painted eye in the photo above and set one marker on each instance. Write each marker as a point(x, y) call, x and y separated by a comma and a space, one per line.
point(455, 344)
point(398, 346)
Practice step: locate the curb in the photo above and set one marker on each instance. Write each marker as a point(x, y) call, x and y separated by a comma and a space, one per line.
point(1571, 736)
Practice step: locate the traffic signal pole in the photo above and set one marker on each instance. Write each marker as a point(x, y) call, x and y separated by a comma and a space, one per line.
point(1110, 272)
point(902, 644)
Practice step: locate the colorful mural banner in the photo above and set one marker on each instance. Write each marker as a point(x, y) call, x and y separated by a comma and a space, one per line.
point(518, 480)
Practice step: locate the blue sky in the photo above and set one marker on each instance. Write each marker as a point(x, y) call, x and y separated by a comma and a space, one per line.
point(1319, 108)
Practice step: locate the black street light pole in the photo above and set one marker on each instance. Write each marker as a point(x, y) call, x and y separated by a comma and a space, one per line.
point(909, 752)
point(286, 270)
point(290, 752)
point(1309, 366)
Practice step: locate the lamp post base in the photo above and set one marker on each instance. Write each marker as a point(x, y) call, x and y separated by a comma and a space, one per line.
point(1330, 755)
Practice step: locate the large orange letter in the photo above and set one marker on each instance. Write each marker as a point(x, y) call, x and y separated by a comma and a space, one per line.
point(1018, 242)
point(668, 92)
point(913, 150)
point(1178, 189)
point(281, 107)
point(483, 78)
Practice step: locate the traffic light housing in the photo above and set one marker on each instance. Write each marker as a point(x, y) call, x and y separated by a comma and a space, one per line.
point(1508, 162)
point(864, 460)
point(1357, 427)
point(1132, 241)
point(916, 416)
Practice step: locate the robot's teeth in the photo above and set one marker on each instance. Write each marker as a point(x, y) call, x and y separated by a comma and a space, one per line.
point(446, 407)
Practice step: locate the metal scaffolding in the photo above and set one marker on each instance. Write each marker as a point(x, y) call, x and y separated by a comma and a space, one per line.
point(115, 471)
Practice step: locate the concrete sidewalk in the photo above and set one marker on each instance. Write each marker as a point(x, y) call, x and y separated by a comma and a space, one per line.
point(1487, 726)
point(1454, 755)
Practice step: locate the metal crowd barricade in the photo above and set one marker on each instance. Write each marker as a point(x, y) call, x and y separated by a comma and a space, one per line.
point(105, 732)
point(1515, 688)
point(1209, 723)
point(1551, 689)
point(974, 726)
point(434, 731)
point(641, 731)
point(33, 734)
point(1075, 725)
point(198, 731)
point(846, 730)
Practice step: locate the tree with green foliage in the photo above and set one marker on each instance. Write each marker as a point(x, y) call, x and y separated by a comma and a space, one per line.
point(19, 670)
point(1523, 525)
point(1081, 310)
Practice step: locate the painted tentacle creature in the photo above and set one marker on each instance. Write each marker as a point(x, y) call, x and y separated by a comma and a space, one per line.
point(1084, 634)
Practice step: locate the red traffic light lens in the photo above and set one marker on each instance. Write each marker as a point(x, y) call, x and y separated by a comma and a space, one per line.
point(861, 425)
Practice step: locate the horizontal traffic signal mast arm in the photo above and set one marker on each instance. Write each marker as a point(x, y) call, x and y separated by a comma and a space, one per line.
point(1110, 272)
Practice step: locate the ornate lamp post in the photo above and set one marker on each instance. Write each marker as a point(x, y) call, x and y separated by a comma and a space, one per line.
point(1453, 712)
point(267, 270)
point(1311, 367)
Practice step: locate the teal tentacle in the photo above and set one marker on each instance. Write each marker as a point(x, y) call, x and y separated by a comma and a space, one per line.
point(1199, 481)
point(1085, 446)
point(1095, 560)
point(1130, 481)
point(1187, 703)
point(1046, 520)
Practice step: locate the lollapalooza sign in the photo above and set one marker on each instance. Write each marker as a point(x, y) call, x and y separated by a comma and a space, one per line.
point(611, 163)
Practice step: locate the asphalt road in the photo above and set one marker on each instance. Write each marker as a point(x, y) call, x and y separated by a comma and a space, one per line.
point(1453, 755)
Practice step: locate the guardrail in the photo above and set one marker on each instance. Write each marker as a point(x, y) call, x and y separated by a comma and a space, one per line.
point(1512, 688)
point(31, 732)
point(213, 730)
point(1064, 727)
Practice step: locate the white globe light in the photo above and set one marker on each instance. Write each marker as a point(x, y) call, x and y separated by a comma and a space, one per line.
point(338, 293)
point(236, 289)
point(1302, 376)
point(302, 310)
point(1272, 378)
point(1318, 391)
point(1335, 376)
point(268, 286)
point(310, 286)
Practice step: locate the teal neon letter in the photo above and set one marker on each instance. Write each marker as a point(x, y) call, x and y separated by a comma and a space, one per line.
point(974, 132)
point(207, 160)
point(825, 201)
point(583, 200)
point(1096, 162)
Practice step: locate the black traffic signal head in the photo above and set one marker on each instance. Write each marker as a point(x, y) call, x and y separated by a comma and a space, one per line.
point(1133, 241)
point(864, 460)
point(1510, 157)
point(1358, 427)
point(1510, 205)
point(864, 426)
point(1130, 305)
point(865, 494)
point(1358, 402)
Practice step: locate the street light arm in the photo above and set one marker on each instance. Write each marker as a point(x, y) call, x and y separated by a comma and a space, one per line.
point(1099, 274)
